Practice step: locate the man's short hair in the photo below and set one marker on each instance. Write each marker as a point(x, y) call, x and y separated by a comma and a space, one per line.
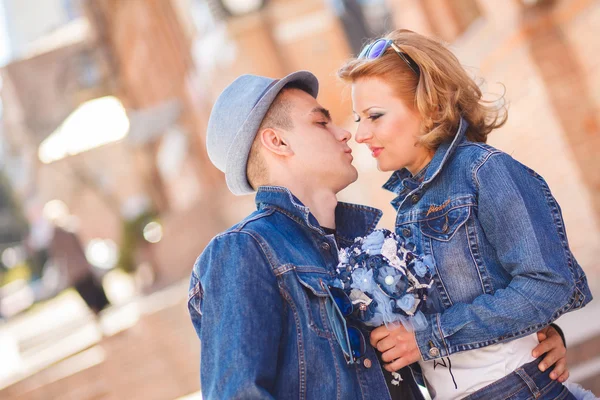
point(277, 117)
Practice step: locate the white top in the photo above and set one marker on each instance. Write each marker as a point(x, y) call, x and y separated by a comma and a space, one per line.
point(461, 374)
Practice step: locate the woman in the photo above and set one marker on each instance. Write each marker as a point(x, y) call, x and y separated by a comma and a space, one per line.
point(503, 266)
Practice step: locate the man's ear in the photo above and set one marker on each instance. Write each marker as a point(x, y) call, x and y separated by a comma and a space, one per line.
point(275, 141)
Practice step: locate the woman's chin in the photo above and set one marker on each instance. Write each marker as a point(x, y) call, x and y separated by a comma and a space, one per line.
point(385, 166)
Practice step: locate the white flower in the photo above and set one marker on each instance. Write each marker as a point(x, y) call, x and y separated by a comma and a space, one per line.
point(357, 297)
point(343, 257)
point(389, 248)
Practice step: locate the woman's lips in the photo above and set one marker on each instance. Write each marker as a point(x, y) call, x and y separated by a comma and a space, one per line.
point(376, 151)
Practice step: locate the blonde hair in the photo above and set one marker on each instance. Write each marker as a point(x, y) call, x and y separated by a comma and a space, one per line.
point(441, 92)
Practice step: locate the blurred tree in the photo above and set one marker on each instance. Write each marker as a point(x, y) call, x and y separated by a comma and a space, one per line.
point(13, 224)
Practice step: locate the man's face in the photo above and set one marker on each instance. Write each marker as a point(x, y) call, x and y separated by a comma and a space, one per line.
point(321, 155)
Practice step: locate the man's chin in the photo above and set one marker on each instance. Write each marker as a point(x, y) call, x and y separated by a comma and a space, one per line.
point(350, 179)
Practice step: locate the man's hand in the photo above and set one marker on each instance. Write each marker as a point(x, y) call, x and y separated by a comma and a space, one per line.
point(552, 346)
point(398, 347)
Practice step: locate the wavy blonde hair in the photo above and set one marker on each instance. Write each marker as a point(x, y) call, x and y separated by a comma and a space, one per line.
point(442, 92)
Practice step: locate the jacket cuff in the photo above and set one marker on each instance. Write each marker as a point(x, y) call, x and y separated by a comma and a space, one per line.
point(431, 340)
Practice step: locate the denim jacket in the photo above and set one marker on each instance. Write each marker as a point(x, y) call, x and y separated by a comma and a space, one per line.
point(258, 303)
point(496, 233)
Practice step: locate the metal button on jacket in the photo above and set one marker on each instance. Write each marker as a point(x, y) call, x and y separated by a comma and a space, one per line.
point(325, 246)
point(434, 352)
point(367, 363)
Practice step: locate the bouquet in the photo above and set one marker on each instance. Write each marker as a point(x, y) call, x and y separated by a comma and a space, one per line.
point(385, 280)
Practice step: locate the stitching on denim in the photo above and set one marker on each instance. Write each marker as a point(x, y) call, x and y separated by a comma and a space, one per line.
point(493, 385)
point(442, 338)
point(197, 291)
point(414, 217)
point(528, 381)
point(444, 291)
point(549, 386)
point(502, 339)
point(559, 223)
point(311, 321)
point(332, 345)
point(476, 169)
point(264, 247)
point(300, 343)
point(451, 149)
point(283, 269)
point(475, 259)
point(483, 146)
point(290, 195)
point(241, 225)
point(563, 394)
point(289, 215)
point(453, 233)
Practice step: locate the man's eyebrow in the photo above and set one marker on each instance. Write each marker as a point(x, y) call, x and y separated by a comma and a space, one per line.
point(323, 112)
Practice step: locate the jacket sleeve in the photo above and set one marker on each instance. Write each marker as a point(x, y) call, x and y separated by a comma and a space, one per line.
point(523, 223)
point(236, 309)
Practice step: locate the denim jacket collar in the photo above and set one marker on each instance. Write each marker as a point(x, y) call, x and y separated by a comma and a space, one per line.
point(401, 181)
point(351, 220)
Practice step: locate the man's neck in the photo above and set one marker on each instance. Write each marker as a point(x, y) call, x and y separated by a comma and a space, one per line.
point(321, 202)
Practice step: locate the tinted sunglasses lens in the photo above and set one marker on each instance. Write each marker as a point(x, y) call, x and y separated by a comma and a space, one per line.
point(377, 49)
point(357, 342)
point(342, 300)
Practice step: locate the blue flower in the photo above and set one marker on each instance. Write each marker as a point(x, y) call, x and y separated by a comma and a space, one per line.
point(430, 263)
point(406, 303)
point(362, 279)
point(391, 281)
point(374, 242)
point(420, 268)
point(375, 262)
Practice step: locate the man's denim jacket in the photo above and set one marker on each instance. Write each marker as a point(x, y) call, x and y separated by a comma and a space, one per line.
point(258, 304)
point(504, 267)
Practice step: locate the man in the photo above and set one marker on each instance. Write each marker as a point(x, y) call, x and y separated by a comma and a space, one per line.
point(259, 297)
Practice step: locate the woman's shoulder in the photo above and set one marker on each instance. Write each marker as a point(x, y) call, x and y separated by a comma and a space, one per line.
point(475, 151)
point(469, 156)
point(474, 155)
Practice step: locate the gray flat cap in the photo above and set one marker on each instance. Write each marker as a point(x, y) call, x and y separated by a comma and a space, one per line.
point(236, 117)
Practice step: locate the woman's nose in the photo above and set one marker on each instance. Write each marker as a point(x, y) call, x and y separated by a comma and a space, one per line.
point(362, 134)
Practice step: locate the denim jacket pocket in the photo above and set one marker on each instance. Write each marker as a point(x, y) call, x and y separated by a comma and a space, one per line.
point(312, 296)
point(312, 280)
point(442, 227)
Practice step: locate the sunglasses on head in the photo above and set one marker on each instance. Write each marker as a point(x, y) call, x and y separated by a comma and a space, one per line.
point(377, 48)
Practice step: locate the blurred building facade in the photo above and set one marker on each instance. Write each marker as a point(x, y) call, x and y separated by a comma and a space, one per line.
point(167, 61)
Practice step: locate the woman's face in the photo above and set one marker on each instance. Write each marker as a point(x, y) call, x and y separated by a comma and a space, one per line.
point(388, 126)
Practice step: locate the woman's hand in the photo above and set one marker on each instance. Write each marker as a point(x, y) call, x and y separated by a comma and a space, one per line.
point(398, 347)
point(555, 353)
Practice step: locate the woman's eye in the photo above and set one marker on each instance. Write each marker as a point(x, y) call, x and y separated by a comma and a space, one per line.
point(373, 117)
point(325, 123)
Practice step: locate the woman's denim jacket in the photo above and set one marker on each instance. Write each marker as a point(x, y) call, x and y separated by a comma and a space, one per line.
point(503, 264)
point(258, 304)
